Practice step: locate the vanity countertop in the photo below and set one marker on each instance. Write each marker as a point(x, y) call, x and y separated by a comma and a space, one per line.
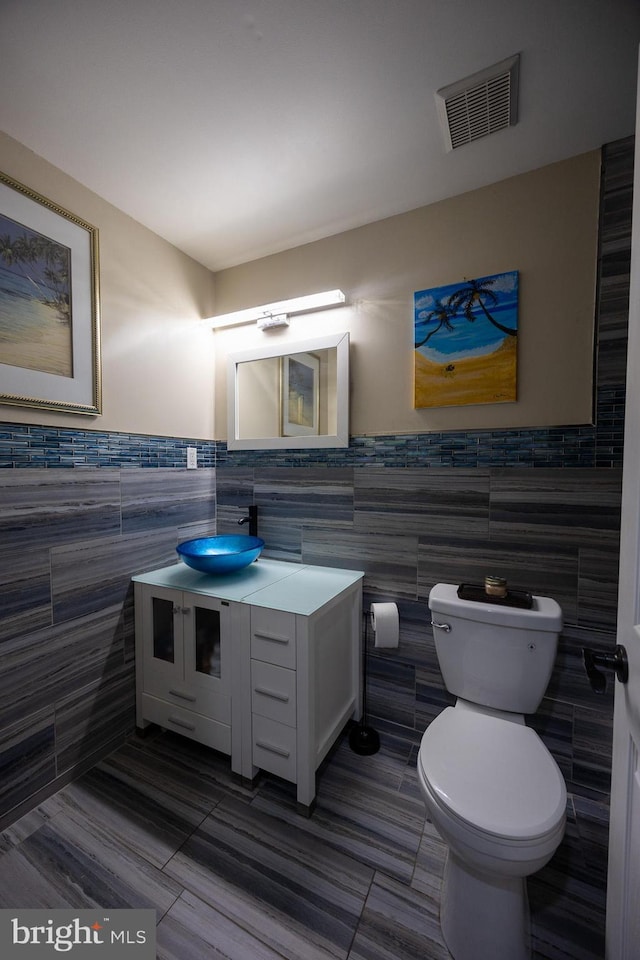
point(276, 584)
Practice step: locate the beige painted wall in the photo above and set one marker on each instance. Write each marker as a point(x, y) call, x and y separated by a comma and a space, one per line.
point(158, 358)
point(157, 355)
point(543, 224)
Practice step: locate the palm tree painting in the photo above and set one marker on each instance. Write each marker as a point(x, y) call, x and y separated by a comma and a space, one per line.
point(466, 337)
point(35, 300)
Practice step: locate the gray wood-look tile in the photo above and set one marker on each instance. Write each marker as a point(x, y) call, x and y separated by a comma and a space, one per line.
point(598, 586)
point(73, 862)
point(306, 494)
point(398, 923)
point(360, 810)
point(25, 590)
point(49, 664)
point(389, 561)
point(578, 507)
point(233, 871)
point(46, 508)
point(153, 499)
point(433, 502)
point(27, 756)
point(95, 718)
point(97, 573)
point(234, 486)
point(193, 930)
point(541, 568)
point(275, 880)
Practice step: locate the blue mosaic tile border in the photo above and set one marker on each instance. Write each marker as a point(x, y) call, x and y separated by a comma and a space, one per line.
point(582, 446)
point(26, 445)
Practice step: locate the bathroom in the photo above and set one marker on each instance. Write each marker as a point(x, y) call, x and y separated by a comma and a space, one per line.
point(409, 506)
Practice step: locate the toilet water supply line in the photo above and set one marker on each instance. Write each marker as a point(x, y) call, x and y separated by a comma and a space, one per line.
point(363, 739)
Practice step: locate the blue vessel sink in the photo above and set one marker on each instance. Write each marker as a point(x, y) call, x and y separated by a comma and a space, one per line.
point(224, 554)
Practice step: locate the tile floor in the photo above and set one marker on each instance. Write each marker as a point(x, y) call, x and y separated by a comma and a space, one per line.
point(235, 872)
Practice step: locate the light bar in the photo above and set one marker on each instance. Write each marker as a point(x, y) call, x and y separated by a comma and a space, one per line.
point(313, 301)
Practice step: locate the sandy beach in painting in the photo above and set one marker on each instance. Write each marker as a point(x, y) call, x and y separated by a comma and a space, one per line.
point(40, 341)
point(490, 378)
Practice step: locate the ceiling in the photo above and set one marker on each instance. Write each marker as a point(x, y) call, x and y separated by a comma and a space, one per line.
point(239, 128)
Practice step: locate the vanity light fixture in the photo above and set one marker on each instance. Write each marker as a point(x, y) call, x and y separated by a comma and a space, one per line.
point(279, 311)
point(267, 321)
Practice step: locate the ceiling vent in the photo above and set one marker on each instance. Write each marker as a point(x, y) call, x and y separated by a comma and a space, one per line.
point(479, 105)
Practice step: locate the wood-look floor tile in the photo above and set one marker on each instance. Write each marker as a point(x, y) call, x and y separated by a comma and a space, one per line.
point(398, 923)
point(80, 862)
point(193, 930)
point(360, 811)
point(246, 876)
point(151, 811)
point(432, 855)
point(300, 897)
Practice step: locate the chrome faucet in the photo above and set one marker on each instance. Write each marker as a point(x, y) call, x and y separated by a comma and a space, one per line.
point(252, 520)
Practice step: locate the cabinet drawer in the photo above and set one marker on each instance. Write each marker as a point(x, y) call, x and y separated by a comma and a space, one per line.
point(210, 732)
point(273, 692)
point(273, 636)
point(274, 747)
point(215, 706)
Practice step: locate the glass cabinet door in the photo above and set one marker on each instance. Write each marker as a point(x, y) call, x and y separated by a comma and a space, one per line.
point(164, 645)
point(207, 630)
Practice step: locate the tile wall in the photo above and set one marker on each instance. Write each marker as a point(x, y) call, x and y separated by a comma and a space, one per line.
point(539, 506)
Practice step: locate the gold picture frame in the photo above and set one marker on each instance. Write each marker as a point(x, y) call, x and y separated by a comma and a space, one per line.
point(49, 305)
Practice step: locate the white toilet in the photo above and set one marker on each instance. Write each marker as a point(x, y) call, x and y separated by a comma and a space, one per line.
point(492, 789)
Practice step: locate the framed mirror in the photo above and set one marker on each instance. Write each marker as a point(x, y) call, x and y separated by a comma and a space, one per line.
point(289, 395)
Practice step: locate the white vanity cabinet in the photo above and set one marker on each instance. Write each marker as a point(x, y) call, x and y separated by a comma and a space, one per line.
point(263, 664)
point(183, 663)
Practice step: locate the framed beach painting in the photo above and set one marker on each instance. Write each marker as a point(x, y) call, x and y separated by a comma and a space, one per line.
point(466, 338)
point(300, 395)
point(49, 305)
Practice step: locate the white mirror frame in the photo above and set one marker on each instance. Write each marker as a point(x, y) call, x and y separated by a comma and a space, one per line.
point(284, 348)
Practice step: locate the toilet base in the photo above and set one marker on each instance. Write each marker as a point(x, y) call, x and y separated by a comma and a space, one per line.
point(484, 918)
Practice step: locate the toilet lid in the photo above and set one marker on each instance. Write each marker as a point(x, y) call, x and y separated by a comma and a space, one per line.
point(494, 774)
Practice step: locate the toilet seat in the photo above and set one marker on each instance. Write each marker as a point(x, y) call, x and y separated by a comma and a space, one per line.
point(494, 775)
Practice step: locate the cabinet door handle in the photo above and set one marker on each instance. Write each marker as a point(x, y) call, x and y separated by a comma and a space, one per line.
point(181, 723)
point(273, 749)
point(183, 696)
point(273, 694)
point(274, 638)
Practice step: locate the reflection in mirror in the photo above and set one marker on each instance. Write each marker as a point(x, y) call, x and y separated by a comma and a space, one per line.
point(290, 396)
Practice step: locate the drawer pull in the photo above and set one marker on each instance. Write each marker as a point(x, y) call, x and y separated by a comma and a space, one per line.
point(273, 637)
point(273, 694)
point(182, 723)
point(183, 696)
point(281, 752)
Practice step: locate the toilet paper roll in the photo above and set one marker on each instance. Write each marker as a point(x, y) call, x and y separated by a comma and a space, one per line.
point(386, 624)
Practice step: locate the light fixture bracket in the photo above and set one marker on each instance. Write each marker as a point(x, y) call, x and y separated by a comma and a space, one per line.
point(269, 321)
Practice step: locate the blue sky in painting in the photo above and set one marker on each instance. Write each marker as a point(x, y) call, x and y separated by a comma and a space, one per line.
point(465, 339)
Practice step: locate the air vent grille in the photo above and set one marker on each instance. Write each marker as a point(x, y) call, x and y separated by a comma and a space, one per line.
point(480, 105)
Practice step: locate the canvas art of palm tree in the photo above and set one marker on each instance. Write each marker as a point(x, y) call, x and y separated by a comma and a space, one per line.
point(466, 337)
point(35, 300)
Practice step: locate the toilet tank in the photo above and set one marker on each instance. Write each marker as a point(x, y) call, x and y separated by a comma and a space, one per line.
point(497, 656)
